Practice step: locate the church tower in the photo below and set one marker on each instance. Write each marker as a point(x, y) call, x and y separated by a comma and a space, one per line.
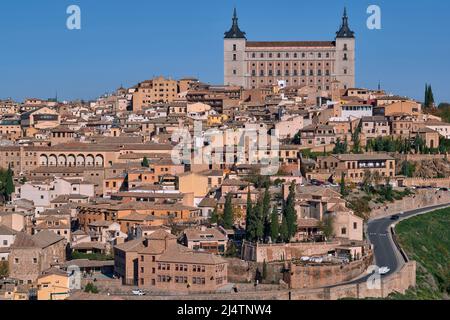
point(234, 55)
point(345, 55)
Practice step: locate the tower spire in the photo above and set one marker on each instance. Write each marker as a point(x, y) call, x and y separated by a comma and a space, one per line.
point(235, 32)
point(344, 31)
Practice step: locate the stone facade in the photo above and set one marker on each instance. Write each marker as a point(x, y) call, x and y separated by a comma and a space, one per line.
point(303, 63)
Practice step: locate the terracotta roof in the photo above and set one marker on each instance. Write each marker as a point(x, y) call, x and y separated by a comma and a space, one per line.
point(42, 239)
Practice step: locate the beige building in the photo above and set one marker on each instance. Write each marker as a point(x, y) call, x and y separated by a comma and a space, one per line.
point(355, 165)
point(152, 91)
point(158, 262)
point(297, 63)
point(31, 255)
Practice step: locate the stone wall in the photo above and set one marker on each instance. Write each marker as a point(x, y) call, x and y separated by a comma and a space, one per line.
point(422, 157)
point(398, 282)
point(421, 199)
point(284, 252)
point(240, 271)
point(319, 276)
point(422, 182)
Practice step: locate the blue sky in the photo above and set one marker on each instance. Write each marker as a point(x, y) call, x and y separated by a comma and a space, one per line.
point(124, 42)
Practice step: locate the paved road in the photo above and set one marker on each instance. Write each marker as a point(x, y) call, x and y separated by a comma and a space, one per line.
point(385, 251)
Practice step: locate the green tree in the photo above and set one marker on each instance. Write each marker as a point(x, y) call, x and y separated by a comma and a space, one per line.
point(274, 225)
point(231, 251)
point(250, 226)
point(340, 147)
point(91, 288)
point(4, 270)
point(356, 140)
point(343, 186)
point(259, 219)
point(266, 214)
point(7, 183)
point(289, 211)
point(284, 231)
point(228, 214)
point(214, 219)
point(145, 163)
point(327, 226)
point(367, 182)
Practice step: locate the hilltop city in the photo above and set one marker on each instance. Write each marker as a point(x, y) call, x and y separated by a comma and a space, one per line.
point(267, 186)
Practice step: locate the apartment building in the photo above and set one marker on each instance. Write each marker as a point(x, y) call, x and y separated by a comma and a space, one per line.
point(155, 90)
point(159, 263)
point(355, 165)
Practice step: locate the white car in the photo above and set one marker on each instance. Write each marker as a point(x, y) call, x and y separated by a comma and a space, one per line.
point(316, 259)
point(138, 292)
point(384, 270)
point(305, 259)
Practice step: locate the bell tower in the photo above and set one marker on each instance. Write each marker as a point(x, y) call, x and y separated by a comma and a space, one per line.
point(234, 54)
point(345, 54)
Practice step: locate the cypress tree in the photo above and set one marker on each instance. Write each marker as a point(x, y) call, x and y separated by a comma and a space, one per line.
point(430, 97)
point(266, 214)
point(290, 213)
point(249, 219)
point(274, 225)
point(284, 232)
point(259, 219)
point(145, 163)
point(214, 216)
point(9, 183)
point(228, 215)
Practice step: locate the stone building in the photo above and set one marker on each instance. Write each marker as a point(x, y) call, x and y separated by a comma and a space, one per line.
point(317, 64)
point(158, 262)
point(31, 255)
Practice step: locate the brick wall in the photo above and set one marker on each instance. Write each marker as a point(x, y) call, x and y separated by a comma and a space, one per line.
point(421, 199)
point(284, 252)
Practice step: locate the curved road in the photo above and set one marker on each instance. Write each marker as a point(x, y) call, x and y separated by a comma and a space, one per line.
point(385, 251)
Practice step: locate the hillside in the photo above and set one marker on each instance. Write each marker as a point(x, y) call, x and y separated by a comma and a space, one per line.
point(426, 239)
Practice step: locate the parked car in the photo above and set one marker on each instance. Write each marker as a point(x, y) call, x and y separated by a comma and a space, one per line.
point(384, 270)
point(316, 259)
point(138, 292)
point(305, 259)
point(395, 217)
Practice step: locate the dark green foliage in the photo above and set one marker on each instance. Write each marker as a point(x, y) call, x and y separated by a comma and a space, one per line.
point(6, 183)
point(232, 251)
point(4, 269)
point(290, 213)
point(340, 147)
point(91, 288)
point(266, 219)
point(145, 163)
point(343, 186)
point(228, 214)
point(91, 256)
point(429, 97)
point(408, 169)
point(215, 218)
point(327, 225)
point(426, 239)
point(284, 231)
point(274, 225)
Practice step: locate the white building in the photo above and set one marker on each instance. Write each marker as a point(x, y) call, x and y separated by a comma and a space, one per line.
point(42, 193)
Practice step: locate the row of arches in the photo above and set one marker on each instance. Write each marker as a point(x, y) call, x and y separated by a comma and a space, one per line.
point(71, 160)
